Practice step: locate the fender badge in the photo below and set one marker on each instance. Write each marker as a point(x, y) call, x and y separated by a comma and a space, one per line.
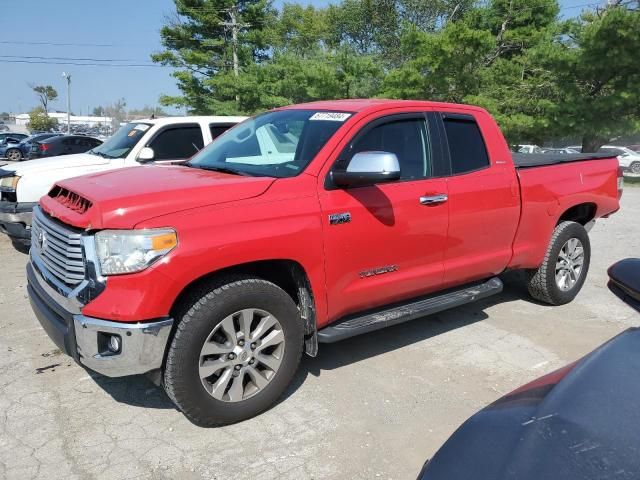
point(338, 218)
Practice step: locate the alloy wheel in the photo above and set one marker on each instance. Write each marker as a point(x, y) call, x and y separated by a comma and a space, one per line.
point(241, 355)
point(569, 264)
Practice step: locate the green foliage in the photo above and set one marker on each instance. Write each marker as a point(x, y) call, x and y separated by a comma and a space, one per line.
point(593, 65)
point(46, 94)
point(39, 121)
point(541, 78)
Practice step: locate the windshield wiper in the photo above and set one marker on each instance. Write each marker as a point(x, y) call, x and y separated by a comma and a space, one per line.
point(230, 171)
point(100, 154)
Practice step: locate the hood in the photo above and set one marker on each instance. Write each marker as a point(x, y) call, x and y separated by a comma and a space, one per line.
point(55, 163)
point(125, 197)
point(579, 422)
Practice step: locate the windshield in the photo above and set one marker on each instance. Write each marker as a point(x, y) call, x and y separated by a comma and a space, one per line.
point(275, 144)
point(121, 143)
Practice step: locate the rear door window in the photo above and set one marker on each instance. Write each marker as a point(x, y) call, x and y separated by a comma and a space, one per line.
point(177, 143)
point(217, 130)
point(466, 146)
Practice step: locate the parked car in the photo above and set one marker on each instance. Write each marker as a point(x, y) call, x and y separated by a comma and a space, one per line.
point(58, 145)
point(560, 150)
point(22, 150)
point(629, 160)
point(305, 224)
point(579, 422)
point(527, 149)
point(163, 140)
point(9, 140)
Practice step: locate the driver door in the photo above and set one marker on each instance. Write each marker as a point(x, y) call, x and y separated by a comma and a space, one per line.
point(383, 245)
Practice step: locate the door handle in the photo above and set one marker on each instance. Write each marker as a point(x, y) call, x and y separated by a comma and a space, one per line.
point(434, 199)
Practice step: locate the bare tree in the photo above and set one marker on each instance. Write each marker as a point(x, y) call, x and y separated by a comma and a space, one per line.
point(46, 94)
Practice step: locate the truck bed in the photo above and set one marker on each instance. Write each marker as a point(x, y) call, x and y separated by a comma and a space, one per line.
point(528, 160)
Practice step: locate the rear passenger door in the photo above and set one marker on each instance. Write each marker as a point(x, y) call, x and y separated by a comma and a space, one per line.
point(176, 143)
point(484, 204)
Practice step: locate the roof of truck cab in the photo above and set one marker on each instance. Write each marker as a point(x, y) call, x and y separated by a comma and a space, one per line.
point(361, 104)
point(194, 119)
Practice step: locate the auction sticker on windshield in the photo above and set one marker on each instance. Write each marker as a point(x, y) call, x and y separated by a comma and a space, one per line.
point(331, 116)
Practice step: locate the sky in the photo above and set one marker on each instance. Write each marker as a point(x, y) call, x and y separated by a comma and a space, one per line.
point(113, 29)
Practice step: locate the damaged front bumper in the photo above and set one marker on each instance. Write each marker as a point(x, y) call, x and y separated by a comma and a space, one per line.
point(15, 221)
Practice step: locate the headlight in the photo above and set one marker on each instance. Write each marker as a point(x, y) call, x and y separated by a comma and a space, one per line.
point(129, 251)
point(9, 183)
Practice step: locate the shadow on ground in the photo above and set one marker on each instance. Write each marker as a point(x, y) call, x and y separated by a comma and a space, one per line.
point(140, 391)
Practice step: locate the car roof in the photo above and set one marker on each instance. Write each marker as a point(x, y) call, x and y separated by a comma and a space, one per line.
point(373, 104)
point(63, 137)
point(194, 119)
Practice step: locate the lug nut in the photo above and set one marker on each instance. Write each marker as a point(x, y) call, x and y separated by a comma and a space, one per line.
point(238, 367)
point(252, 361)
point(231, 356)
point(241, 343)
point(253, 346)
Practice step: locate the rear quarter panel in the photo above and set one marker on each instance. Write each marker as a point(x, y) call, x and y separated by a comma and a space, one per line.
point(548, 192)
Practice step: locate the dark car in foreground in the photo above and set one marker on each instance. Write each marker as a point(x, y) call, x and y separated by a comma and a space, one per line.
point(63, 145)
point(22, 150)
point(579, 422)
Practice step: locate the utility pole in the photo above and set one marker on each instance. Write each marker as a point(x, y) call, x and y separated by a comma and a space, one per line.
point(68, 77)
point(235, 26)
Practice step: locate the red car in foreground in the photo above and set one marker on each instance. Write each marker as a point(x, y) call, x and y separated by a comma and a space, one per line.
point(306, 224)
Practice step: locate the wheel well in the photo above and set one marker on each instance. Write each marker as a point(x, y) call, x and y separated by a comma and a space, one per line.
point(582, 214)
point(287, 274)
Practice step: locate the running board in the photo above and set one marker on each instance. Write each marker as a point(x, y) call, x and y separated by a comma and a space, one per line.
point(352, 326)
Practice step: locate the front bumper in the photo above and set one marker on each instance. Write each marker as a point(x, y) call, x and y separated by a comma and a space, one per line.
point(15, 220)
point(85, 339)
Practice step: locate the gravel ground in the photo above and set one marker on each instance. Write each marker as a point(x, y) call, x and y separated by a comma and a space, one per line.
point(376, 406)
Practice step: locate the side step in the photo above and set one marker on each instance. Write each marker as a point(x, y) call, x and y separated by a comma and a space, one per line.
point(352, 326)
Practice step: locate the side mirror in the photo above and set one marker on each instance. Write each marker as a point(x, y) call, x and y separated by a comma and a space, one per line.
point(368, 168)
point(625, 281)
point(146, 155)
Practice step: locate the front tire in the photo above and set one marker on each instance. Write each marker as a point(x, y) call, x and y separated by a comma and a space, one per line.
point(564, 269)
point(234, 352)
point(635, 168)
point(14, 155)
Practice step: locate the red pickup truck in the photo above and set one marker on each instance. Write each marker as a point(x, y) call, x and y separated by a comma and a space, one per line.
point(306, 224)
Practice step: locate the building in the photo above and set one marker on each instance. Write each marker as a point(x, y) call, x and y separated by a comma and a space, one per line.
point(88, 120)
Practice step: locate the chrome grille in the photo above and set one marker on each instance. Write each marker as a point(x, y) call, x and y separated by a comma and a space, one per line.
point(59, 248)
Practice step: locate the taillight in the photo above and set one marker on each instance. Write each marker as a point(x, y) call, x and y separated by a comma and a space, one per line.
point(44, 147)
point(620, 181)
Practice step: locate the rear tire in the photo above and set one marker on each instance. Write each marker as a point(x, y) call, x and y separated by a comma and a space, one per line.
point(210, 338)
point(635, 167)
point(564, 269)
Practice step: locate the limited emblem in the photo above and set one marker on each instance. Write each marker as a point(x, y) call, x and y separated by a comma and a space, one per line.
point(378, 271)
point(338, 218)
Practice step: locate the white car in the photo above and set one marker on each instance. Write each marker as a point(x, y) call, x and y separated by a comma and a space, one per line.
point(161, 140)
point(629, 160)
point(528, 149)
